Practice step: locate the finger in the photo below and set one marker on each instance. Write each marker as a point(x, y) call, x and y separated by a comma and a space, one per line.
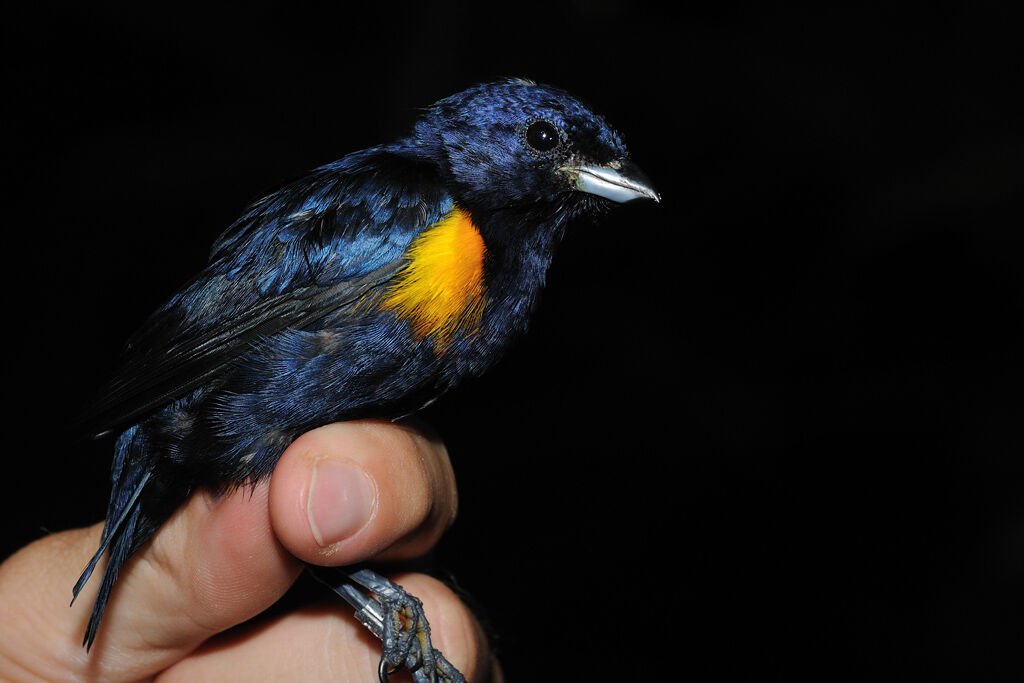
point(37, 631)
point(324, 643)
point(350, 491)
point(214, 564)
point(217, 562)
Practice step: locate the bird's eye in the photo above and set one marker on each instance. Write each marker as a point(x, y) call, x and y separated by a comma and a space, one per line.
point(542, 136)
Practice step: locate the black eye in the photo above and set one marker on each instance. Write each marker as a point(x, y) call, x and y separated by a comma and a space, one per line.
point(542, 136)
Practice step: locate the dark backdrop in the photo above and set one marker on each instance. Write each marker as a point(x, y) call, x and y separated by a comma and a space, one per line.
point(767, 429)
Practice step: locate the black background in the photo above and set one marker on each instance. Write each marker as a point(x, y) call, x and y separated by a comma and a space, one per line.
point(765, 430)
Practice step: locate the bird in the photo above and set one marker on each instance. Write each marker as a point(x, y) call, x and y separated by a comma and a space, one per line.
point(367, 288)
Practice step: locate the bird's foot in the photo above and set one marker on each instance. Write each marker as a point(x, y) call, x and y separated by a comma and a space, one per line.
point(396, 618)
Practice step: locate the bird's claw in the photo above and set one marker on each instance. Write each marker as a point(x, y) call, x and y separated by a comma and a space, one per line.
point(397, 618)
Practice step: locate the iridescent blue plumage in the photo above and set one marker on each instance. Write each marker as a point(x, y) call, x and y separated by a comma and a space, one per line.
point(290, 326)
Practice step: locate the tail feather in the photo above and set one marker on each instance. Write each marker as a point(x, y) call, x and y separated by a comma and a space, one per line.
point(123, 545)
point(109, 531)
point(146, 491)
point(127, 526)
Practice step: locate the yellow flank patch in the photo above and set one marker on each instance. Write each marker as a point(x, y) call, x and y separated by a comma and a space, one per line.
point(441, 289)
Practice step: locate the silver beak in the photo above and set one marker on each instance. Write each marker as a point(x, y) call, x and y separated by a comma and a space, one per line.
point(619, 181)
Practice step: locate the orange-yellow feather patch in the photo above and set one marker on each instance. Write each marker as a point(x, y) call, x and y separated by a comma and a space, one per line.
point(441, 289)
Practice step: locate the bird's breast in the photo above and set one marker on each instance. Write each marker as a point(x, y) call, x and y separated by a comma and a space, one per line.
point(440, 291)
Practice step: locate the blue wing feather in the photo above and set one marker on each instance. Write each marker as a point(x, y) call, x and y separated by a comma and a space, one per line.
point(303, 252)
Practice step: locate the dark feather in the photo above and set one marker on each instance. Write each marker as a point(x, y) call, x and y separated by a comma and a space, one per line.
point(153, 378)
point(340, 209)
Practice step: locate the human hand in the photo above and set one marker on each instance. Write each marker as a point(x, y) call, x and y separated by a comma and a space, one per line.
point(382, 491)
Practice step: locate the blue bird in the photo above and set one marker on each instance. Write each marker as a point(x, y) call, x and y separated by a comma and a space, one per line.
point(366, 289)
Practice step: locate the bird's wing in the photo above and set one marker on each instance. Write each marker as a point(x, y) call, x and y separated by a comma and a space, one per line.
point(315, 246)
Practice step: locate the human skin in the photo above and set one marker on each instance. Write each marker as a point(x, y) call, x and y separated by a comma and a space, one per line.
point(341, 494)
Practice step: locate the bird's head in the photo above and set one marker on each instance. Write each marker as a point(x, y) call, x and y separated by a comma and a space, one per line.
point(516, 145)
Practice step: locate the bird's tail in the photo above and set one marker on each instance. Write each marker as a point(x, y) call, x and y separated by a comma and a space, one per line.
point(124, 532)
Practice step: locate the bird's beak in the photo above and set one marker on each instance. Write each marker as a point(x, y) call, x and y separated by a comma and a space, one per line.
point(619, 181)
